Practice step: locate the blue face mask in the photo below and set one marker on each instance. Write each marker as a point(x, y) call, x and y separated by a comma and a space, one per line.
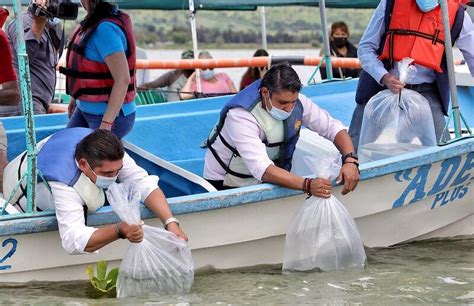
point(103, 182)
point(427, 5)
point(207, 74)
point(277, 113)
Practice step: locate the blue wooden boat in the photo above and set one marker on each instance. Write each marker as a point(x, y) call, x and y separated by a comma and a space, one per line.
point(418, 195)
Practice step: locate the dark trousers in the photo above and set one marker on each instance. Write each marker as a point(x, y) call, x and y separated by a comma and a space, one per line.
point(122, 124)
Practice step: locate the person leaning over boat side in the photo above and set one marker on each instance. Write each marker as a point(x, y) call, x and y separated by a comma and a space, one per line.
point(212, 84)
point(173, 80)
point(100, 72)
point(256, 135)
point(341, 47)
point(78, 164)
point(9, 91)
point(411, 28)
point(44, 40)
point(254, 73)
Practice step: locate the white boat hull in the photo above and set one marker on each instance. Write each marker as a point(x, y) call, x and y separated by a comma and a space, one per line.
point(253, 234)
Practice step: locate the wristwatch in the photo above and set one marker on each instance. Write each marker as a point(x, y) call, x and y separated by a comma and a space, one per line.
point(350, 154)
point(118, 231)
point(170, 220)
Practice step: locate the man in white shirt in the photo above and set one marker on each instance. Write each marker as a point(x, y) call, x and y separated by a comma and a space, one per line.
point(79, 164)
point(256, 135)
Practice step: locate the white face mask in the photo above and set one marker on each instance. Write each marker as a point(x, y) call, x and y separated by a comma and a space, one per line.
point(101, 181)
point(207, 74)
point(277, 113)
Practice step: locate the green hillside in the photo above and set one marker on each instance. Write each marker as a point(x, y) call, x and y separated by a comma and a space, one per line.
point(285, 25)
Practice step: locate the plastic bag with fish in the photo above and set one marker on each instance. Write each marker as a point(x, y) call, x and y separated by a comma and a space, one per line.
point(394, 124)
point(323, 236)
point(161, 263)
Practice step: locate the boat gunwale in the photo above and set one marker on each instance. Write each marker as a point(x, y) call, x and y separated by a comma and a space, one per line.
point(46, 221)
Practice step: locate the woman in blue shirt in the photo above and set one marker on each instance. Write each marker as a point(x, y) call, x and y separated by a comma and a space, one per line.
point(101, 70)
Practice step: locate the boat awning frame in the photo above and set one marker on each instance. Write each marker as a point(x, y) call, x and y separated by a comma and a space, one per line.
point(244, 5)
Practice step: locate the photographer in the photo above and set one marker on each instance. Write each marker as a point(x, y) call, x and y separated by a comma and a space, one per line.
point(44, 40)
point(9, 91)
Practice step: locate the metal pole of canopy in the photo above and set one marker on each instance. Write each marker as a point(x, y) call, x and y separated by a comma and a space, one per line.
point(264, 28)
point(27, 105)
point(192, 19)
point(450, 63)
point(324, 26)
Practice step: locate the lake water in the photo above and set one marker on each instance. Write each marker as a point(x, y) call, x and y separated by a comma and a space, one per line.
point(434, 272)
point(304, 72)
point(235, 74)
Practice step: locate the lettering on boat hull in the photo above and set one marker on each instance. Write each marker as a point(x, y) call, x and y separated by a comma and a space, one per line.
point(447, 182)
point(8, 245)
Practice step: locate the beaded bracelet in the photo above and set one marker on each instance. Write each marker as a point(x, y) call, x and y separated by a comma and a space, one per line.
point(304, 185)
point(107, 122)
point(307, 186)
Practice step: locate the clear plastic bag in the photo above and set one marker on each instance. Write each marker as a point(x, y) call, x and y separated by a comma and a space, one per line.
point(394, 124)
point(323, 236)
point(161, 263)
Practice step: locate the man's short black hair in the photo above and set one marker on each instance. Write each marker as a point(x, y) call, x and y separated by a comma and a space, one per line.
point(99, 146)
point(281, 77)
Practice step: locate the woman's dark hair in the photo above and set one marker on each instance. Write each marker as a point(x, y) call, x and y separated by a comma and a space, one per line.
point(260, 52)
point(339, 25)
point(99, 146)
point(253, 73)
point(281, 77)
point(100, 11)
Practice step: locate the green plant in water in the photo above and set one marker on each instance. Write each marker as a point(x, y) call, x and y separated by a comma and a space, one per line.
point(102, 281)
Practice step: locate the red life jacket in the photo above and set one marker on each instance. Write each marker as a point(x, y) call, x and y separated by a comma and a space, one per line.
point(90, 80)
point(417, 35)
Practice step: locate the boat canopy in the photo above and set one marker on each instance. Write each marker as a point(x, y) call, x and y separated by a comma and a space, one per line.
point(239, 4)
point(226, 4)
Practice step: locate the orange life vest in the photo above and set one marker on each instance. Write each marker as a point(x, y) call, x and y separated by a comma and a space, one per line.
point(417, 35)
point(90, 80)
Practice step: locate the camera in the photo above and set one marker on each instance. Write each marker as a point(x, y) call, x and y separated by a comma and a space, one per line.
point(62, 9)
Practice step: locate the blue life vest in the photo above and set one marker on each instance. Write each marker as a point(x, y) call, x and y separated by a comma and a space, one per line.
point(56, 158)
point(248, 99)
point(368, 87)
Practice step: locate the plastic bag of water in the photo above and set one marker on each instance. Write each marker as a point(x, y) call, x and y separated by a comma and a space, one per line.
point(395, 124)
point(323, 236)
point(161, 263)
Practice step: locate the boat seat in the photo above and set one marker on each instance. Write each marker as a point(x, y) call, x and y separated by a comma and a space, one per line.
point(153, 96)
point(174, 180)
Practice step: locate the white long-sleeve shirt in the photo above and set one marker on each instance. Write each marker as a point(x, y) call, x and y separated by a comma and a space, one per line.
point(69, 206)
point(242, 131)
